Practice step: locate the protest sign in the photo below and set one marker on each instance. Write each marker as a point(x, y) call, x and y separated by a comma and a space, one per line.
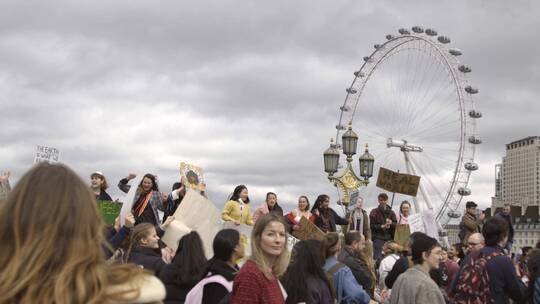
point(46, 154)
point(398, 182)
point(307, 231)
point(109, 210)
point(129, 198)
point(423, 222)
point(196, 213)
point(192, 176)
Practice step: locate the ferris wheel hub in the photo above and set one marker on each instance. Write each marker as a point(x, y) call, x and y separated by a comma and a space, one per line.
point(403, 145)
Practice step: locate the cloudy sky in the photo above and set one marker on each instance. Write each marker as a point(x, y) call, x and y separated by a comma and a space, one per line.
point(248, 90)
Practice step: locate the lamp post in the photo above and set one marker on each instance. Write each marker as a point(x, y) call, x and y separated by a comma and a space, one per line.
point(347, 180)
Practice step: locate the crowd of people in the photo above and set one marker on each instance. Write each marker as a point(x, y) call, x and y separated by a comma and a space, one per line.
point(56, 248)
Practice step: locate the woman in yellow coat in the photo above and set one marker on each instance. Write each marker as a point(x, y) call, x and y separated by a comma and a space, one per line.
point(237, 208)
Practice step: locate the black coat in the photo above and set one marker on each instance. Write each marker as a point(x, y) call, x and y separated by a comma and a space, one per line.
point(103, 196)
point(334, 219)
point(213, 293)
point(148, 258)
point(176, 293)
point(359, 268)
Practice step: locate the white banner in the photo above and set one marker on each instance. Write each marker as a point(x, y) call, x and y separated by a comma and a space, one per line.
point(46, 154)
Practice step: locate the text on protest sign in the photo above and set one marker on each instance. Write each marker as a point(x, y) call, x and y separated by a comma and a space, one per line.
point(109, 210)
point(398, 182)
point(307, 231)
point(46, 154)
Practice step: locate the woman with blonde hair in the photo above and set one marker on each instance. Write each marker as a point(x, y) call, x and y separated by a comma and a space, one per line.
point(51, 251)
point(257, 281)
point(391, 252)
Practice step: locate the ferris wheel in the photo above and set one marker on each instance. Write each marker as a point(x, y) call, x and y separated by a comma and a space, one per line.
point(413, 105)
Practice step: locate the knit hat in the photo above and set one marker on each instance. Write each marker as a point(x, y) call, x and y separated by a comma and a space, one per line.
point(422, 244)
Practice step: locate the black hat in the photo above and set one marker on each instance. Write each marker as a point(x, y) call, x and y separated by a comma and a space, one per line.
point(421, 244)
point(470, 204)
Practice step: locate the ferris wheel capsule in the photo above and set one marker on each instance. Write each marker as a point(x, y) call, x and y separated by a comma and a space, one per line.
point(351, 90)
point(340, 127)
point(377, 46)
point(454, 214)
point(418, 29)
point(455, 52)
point(471, 166)
point(431, 32)
point(345, 108)
point(404, 31)
point(359, 74)
point(471, 90)
point(464, 68)
point(475, 114)
point(443, 39)
point(474, 140)
point(464, 191)
point(390, 37)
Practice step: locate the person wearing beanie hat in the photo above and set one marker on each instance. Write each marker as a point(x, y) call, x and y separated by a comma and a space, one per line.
point(98, 184)
point(415, 285)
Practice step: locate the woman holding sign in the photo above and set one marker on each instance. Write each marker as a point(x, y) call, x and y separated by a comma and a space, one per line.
point(237, 208)
point(401, 236)
point(147, 201)
point(296, 215)
point(98, 184)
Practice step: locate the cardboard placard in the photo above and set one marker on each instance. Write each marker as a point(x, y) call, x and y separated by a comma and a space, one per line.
point(193, 176)
point(197, 213)
point(307, 231)
point(109, 210)
point(398, 182)
point(46, 154)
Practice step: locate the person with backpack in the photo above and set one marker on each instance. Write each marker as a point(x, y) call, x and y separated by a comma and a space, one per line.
point(220, 271)
point(345, 287)
point(186, 268)
point(488, 275)
point(353, 257)
point(304, 280)
point(416, 285)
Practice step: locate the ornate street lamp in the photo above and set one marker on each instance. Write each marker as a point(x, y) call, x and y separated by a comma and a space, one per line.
point(347, 180)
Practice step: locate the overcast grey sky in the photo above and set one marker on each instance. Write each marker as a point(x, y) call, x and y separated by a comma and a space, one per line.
point(248, 90)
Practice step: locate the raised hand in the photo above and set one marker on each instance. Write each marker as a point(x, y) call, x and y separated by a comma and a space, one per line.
point(131, 176)
point(4, 177)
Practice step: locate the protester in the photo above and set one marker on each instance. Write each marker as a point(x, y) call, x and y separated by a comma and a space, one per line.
point(352, 256)
point(186, 268)
point(507, 216)
point(304, 281)
point(523, 269)
point(257, 281)
point(498, 270)
point(416, 285)
point(174, 199)
point(302, 210)
point(147, 200)
point(456, 253)
point(403, 263)
point(325, 217)
point(345, 287)
point(383, 223)
point(533, 293)
point(98, 184)
point(469, 222)
point(5, 187)
point(360, 219)
point(116, 236)
point(236, 210)
point(51, 252)
point(391, 256)
point(220, 270)
point(144, 248)
point(475, 242)
point(270, 205)
point(401, 235)
point(449, 270)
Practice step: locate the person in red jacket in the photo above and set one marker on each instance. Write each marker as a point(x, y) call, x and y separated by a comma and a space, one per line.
point(296, 215)
point(257, 282)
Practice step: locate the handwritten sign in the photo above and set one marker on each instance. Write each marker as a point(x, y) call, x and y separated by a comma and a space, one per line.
point(308, 231)
point(423, 222)
point(193, 176)
point(398, 182)
point(109, 210)
point(46, 154)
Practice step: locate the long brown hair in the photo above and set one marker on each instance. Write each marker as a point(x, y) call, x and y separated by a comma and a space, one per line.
point(52, 239)
point(329, 245)
point(138, 233)
point(257, 255)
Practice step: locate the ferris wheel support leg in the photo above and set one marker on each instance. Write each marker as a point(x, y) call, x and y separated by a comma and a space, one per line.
point(412, 168)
